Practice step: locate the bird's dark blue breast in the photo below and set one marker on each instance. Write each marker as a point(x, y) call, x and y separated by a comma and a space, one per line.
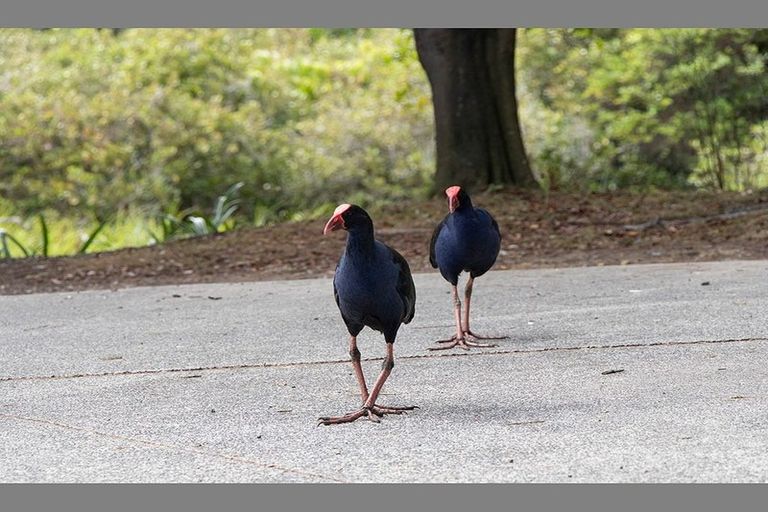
point(366, 287)
point(467, 241)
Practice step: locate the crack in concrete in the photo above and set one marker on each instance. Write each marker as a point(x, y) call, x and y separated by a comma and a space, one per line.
point(247, 366)
point(156, 444)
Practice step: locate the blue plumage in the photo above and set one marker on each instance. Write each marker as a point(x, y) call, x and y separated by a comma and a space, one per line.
point(373, 287)
point(467, 239)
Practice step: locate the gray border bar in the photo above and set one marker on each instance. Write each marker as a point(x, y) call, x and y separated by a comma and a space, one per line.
point(385, 13)
point(386, 498)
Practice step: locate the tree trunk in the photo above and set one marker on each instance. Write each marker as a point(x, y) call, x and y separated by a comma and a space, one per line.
point(472, 73)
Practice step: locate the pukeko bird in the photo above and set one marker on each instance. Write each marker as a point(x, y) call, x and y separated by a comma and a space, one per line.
point(373, 287)
point(467, 239)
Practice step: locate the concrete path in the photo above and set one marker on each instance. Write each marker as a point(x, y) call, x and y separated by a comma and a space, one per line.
point(613, 374)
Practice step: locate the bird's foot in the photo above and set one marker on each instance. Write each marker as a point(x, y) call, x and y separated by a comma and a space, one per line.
point(381, 410)
point(348, 418)
point(370, 413)
point(474, 337)
point(452, 339)
point(467, 341)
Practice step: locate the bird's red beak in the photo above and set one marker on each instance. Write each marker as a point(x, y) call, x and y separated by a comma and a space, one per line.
point(453, 197)
point(336, 221)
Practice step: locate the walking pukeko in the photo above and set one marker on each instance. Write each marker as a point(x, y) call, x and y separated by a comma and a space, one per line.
point(467, 239)
point(373, 287)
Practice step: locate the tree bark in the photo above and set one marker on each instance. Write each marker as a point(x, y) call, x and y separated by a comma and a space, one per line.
point(472, 74)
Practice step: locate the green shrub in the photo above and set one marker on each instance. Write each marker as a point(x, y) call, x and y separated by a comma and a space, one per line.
point(624, 108)
point(164, 119)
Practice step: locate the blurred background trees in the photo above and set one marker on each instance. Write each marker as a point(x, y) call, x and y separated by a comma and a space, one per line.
point(477, 130)
point(148, 118)
point(606, 109)
point(130, 128)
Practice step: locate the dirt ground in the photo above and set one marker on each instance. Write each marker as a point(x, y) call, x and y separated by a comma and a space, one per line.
point(538, 230)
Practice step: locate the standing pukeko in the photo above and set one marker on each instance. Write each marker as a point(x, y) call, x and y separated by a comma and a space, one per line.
point(467, 239)
point(373, 287)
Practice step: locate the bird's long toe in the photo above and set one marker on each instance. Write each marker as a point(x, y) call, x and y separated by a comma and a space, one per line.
point(448, 344)
point(466, 342)
point(381, 410)
point(452, 339)
point(471, 336)
point(372, 413)
point(349, 418)
point(470, 343)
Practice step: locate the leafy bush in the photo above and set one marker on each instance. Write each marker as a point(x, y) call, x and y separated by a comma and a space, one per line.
point(179, 225)
point(646, 107)
point(27, 243)
point(133, 135)
point(163, 119)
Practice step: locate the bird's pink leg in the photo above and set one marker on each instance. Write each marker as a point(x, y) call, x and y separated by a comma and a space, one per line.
point(369, 409)
point(467, 300)
point(468, 334)
point(456, 314)
point(453, 340)
point(461, 338)
point(354, 354)
point(386, 369)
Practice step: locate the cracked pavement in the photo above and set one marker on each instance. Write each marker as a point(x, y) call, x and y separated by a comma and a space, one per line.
point(638, 373)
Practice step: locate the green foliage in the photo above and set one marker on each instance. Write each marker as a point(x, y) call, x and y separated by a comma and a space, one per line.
point(91, 237)
point(220, 220)
point(45, 237)
point(226, 206)
point(170, 227)
point(26, 244)
point(605, 109)
point(125, 229)
point(110, 140)
point(162, 119)
point(6, 239)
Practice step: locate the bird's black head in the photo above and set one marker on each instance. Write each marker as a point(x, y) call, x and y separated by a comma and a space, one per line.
point(457, 198)
point(350, 217)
